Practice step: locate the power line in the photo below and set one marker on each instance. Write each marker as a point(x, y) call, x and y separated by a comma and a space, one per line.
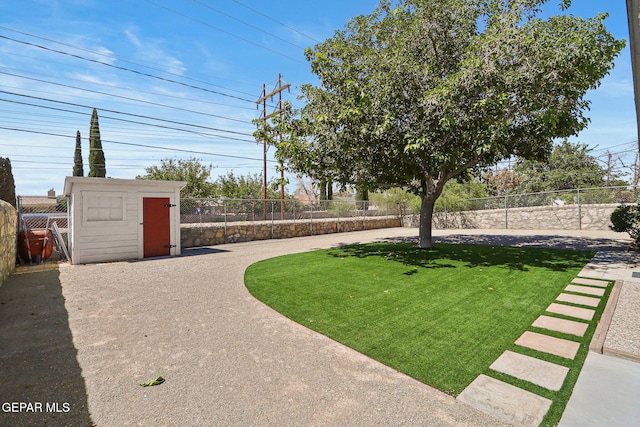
point(155, 147)
point(617, 145)
point(95, 52)
point(124, 68)
point(247, 24)
point(123, 97)
point(276, 21)
point(135, 122)
point(224, 31)
point(114, 111)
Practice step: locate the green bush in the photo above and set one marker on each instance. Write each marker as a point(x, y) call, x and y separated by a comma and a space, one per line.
point(626, 219)
point(397, 198)
point(339, 208)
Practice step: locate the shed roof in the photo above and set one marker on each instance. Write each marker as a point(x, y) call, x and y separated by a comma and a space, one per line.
point(70, 181)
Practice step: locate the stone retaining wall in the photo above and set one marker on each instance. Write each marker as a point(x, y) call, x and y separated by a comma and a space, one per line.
point(195, 235)
point(8, 222)
point(571, 217)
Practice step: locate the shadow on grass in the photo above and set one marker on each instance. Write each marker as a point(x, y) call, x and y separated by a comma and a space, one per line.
point(37, 355)
point(443, 255)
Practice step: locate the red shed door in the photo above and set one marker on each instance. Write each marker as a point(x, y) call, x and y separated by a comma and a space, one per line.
point(156, 229)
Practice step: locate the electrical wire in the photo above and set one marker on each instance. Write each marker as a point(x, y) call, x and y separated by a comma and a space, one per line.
point(247, 24)
point(224, 31)
point(124, 97)
point(124, 68)
point(110, 111)
point(132, 144)
point(128, 61)
point(276, 21)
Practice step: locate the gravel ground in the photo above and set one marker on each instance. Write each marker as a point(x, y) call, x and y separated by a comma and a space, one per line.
point(624, 331)
point(227, 358)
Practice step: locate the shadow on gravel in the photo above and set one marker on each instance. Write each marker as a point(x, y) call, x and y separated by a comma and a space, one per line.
point(41, 380)
point(540, 241)
point(537, 241)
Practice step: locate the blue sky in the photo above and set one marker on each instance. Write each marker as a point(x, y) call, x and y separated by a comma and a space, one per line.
point(198, 66)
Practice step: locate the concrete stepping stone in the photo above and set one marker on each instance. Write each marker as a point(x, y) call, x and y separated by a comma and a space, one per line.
point(587, 290)
point(561, 325)
point(545, 374)
point(579, 299)
point(545, 343)
point(590, 282)
point(505, 402)
point(570, 311)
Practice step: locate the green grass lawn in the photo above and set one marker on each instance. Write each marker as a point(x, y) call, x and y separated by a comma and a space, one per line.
point(441, 316)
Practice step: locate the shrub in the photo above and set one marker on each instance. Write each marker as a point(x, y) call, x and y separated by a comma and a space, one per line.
point(626, 219)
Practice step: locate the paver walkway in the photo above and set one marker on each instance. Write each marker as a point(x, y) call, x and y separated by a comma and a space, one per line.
point(536, 371)
point(571, 311)
point(505, 401)
point(519, 407)
point(546, 344)
point(557, 324)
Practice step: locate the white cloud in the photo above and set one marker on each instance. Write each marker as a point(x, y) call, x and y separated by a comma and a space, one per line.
point(150, 50)
point(616, 87)
point(133, 38)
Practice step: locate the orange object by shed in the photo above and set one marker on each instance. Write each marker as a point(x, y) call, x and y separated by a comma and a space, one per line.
point(38, 243)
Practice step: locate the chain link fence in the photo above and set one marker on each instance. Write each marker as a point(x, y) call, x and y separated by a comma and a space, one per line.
point(205, 211)
point(585, 208)
point(39, 212)
point(42, 220)
point(585, 196)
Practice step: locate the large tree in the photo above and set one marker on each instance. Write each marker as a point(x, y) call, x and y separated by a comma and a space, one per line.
point(97, 167)
point(422, 91)
point(7, 184)
point(78, 169)
point(191, 170)
point(569, 166)
point(250, 186)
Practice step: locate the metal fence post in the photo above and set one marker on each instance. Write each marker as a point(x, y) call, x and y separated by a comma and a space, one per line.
point(506, 213)
point(579, 211)
point(386, 214)
point(224, 204)
point(272, 219)
point(364, 214)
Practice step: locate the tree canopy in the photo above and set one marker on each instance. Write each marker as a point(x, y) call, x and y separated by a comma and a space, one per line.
point(248, 186)
point(422, 91)
point(191, 170)
point(568, 167)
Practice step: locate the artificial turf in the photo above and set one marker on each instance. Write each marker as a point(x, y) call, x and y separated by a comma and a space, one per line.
point(441, 316)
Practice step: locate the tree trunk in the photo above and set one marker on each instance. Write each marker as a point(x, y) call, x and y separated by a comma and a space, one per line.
point(426, 216)
point(322, 186)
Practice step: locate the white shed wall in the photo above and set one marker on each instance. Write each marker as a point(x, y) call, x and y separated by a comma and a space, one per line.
point(96, 241)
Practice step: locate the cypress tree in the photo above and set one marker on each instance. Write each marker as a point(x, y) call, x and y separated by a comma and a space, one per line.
point(78, 169)
point(97, 166)
point(7, 184)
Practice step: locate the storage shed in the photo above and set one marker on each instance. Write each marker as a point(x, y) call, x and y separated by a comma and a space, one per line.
point(121, 219)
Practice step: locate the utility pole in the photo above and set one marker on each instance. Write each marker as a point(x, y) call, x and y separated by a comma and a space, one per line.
point(279, 109)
